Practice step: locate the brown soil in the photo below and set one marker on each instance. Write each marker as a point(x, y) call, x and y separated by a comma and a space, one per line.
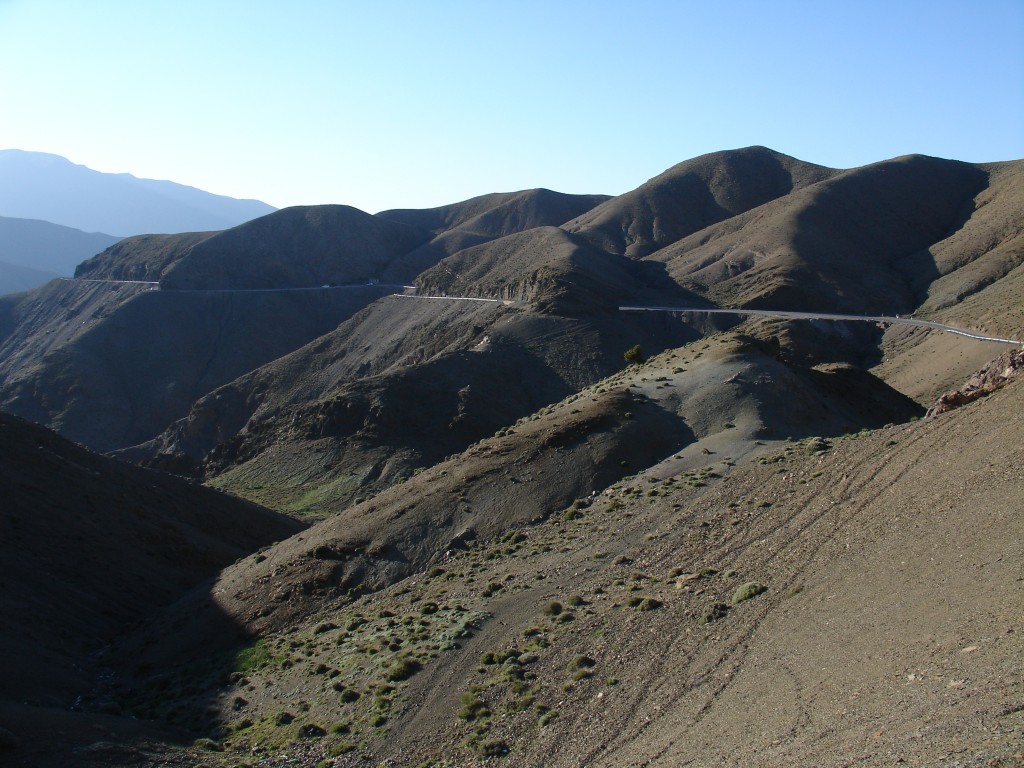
point(890, 631)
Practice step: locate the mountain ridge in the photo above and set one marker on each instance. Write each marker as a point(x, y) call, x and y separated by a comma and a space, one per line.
point(34, 251)
point(37, 185)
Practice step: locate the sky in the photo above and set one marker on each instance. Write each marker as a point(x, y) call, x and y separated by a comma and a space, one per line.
point(417, 103)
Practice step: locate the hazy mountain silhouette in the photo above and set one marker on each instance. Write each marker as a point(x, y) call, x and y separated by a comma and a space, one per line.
point(33, 252)
point(15, 278)
point(48, 247)
point(36, 185)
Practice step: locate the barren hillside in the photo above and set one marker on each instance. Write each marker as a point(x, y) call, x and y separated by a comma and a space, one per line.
point(542, 531)
point(866, 591)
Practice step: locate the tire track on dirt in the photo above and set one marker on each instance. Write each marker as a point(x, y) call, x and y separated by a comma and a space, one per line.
point(731, 659)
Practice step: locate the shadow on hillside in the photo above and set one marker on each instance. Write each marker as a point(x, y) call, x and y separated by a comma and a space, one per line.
point(870, 402)
point(867, 239)
point(173, 669)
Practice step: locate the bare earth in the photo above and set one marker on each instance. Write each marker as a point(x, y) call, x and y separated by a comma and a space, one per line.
point(890, 631)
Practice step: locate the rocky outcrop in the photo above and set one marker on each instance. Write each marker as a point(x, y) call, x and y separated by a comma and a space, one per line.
point(993, 376)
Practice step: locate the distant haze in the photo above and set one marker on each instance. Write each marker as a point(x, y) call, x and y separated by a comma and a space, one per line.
point(36, 185)
point(42, 245)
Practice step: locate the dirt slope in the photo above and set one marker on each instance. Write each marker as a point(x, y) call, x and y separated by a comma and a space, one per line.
point(483, 219)
point(988, 247)
point(296, 247)
point(889, 631)
point(418, 623)
point(142, 257)
point(399, 387)
point(725, 394)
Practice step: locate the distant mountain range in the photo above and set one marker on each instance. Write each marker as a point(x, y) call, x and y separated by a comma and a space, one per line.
point(33, 251)
point(54, 214)
point(36, 185)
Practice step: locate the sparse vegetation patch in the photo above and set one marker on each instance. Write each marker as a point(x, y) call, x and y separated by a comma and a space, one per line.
point(747, 591)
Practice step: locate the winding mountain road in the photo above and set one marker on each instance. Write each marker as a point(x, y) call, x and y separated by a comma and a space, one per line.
point(156, 286)
point(409, 292)
point(895, 320)
point(506, 302)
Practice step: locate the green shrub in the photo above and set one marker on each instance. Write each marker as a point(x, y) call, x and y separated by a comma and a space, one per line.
point(492, 748)
point(473, 707)
point(402, 669)
point(546, 716)
point(648, 604)
point(349, 695)
point(747, 591)
point(581, 662)
point(634, 355)
point(252, 658)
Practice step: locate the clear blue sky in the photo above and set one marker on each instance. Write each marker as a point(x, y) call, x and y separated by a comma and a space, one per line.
point(416, 103)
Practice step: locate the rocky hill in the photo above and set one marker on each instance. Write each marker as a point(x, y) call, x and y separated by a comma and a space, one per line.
point(691, 196)
point(529, 545)
point(759, 230)
point(558, 280)
point(521, 596)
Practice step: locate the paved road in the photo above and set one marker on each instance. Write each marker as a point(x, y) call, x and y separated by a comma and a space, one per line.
point(156, 286)
point(116, 282)
point(409, 292)
point(827, 316)
point(388, 286)
point(506, 302)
